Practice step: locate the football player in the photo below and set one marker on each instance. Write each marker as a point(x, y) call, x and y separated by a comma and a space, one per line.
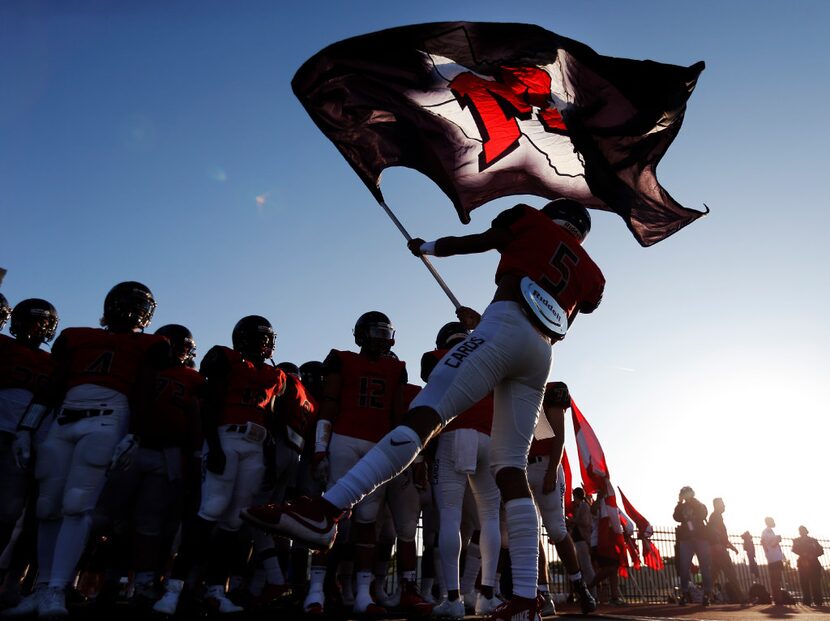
point(100, 376)
point(547, 482)
point(24, 369)
point(294, 417)
point(238, 407)
point(462, 457)
point(362, 400)
point(544, 279)
point(147, 495)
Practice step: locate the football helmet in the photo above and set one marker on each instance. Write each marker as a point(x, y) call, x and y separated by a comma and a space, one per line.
point(5, 310)
point(311, 375)
point(253, 337)
point(570, 215)
point(450, 334)
point(181, 340)
point(374, 328)
point(34, 321)
point(289, 368)
point(128, 306)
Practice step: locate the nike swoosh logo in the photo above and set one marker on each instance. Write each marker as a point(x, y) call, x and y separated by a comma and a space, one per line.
point(320, 525)
point(395, 443)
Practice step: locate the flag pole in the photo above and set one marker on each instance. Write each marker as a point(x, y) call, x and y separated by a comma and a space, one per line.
point(426, 261)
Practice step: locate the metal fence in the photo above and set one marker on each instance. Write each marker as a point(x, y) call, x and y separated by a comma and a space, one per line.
point(647, 585)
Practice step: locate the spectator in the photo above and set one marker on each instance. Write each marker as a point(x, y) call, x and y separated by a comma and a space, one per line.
point(775, 560)
point(580, 528)
point(692, 539)
point(809, 567)
point(749, 548)
point(721, 562)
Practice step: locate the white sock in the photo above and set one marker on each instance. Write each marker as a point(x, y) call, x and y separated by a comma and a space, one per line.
point(316, 578)
point(47, 536)
point(426, 586)
point(472, 564)
point(69, 547)
point(386, 460)
point(364, 582)
point(145, 577)
point(489, 542)
point(524, 532)
point(542, 587)
point(576, 577)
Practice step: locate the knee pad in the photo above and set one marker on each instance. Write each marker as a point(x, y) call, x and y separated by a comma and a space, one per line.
point(557, 532)
point(48, 505)
point(213, 506)
point(77, 501)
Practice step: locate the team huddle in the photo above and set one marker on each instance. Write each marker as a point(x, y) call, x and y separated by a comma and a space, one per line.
point(212, 487)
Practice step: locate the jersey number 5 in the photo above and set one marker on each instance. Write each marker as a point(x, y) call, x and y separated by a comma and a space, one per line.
point(563, 260)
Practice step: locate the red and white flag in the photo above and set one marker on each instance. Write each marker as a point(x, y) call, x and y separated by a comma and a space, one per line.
point(595, 475)
point(496, 109)
point(651, 555)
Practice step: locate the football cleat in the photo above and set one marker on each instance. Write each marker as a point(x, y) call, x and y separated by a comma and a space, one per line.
point(516, 609)
point(311, 520)
point(217, 601)
point(546, 607)
point(27, 607)
point(449, 610)
point(586, 601)
point(52, 604)
point(412, 602)
point(486, 605)
point(168, 602)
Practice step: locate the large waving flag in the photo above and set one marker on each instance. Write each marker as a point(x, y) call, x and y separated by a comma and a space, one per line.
point(595, 475)
point(651, 555)
point(488, 110)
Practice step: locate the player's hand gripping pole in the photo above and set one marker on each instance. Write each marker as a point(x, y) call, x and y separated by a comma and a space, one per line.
point(426, 261)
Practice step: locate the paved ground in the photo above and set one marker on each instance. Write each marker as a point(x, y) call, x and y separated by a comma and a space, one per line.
point(797, 612)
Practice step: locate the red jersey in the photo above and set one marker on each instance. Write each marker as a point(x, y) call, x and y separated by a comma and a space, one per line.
point(248, 390)
point(552, 257)
point(410, 391)
point(540, 448)
point(23, 367)
point(171, 418)
point(369, 389)
point(296, 408)
point(108, 359)
point(478, 417)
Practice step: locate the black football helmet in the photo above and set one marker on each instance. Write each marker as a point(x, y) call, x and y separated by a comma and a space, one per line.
point(181, 340)
point(289, 368)
point(34, 321)
point(5, 310)
point(450, 334)
point(570, 215)
point(128, 306)
point(253, 337)
point(311, 375)
point(374, 328)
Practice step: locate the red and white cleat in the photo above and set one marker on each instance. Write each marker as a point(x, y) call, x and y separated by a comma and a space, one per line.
point(516, 609)
point(412, 602)
point(311, 520)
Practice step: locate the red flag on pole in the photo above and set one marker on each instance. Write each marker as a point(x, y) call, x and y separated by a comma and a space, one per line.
point(591, 457)
point(651, 555)
point(569, 496)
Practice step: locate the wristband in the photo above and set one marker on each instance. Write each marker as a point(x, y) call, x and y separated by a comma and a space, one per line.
point(322, 436)
point(32, 417)
point(427, 248)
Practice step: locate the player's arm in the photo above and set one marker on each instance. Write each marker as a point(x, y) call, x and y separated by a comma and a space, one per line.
point(491, 239)
point(49, 396)
point(216, 370)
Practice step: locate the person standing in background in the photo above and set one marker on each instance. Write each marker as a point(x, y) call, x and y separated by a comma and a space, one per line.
point(809, 567)
point(775, 560)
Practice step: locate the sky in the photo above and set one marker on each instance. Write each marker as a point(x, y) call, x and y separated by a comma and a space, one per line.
point(161, 142)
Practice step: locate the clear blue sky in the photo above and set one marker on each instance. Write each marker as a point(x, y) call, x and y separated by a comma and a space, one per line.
point(136, 136)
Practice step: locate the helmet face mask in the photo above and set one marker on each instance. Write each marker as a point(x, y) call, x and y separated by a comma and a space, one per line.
point(311, 375)
point(570, 215)
point(34, 321)
point(254, 337)
point(129, 306)
point(374, 333)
